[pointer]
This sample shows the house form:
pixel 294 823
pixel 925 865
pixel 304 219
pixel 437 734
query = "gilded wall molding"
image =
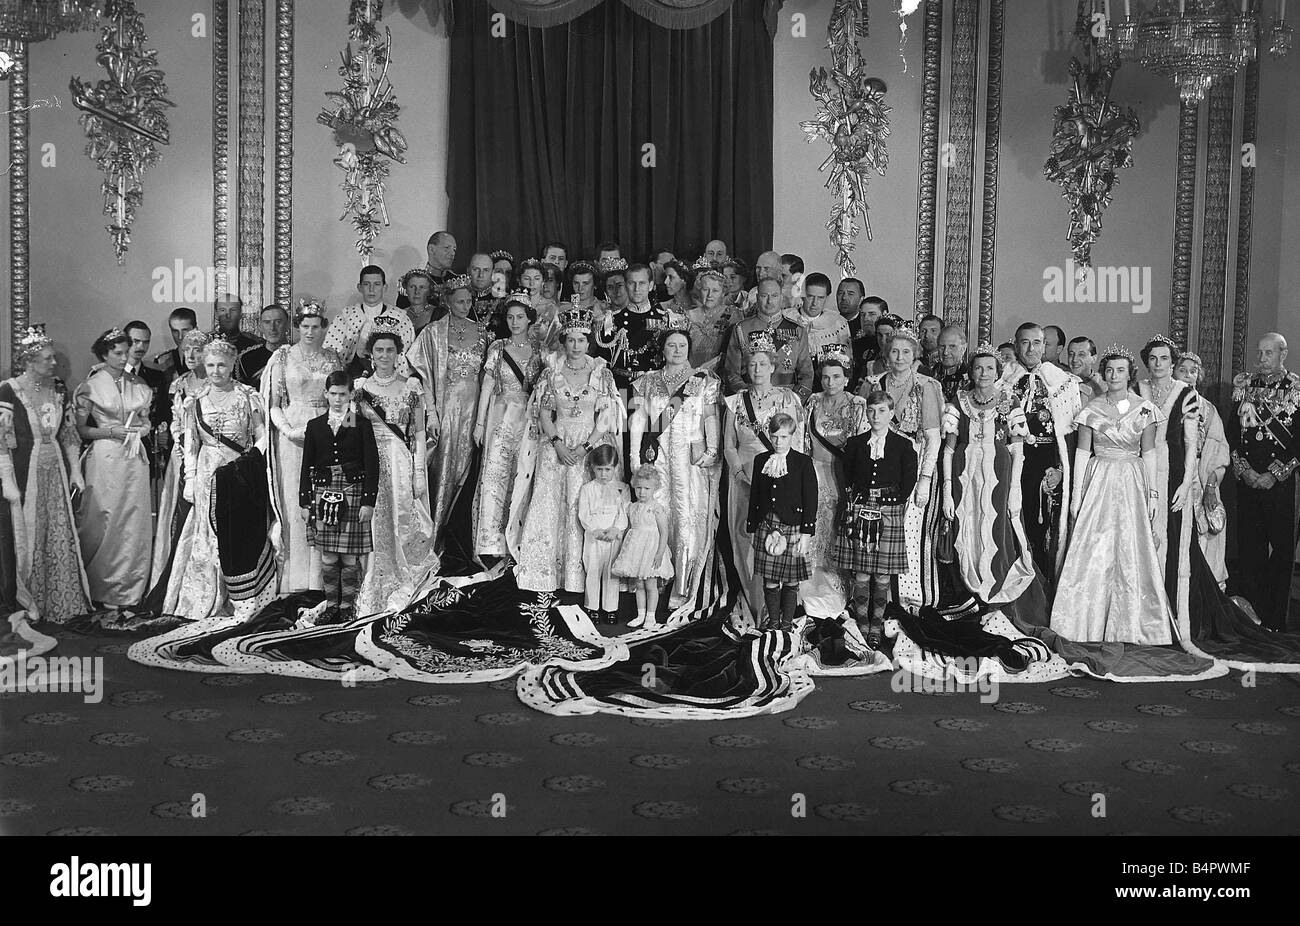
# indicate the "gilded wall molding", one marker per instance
pixel 992 131
pixel 927 184
pixel 252 155
pixel 1245 222
pixel 1180 294
pixel 283 206
pixel 1214 235
pixel 220 134
pixel 19 187
pixel 960 172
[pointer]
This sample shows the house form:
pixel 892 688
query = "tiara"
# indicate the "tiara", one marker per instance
pixel 1167 341
pixel 702 263
pixel 197 337
pixel 612 264
pixel 576 319
pixel 908 327
pixel 735 263
pixel 33 341
pixel 312 307
pixel 1118 350
pixel 220 345
pixel 760 341
pixel 582 266
pixel 531 263
pixel 836 351
pixel 521 296
pixel 711 274
pixel 502 255
pixel 984 348
pixel 459 281
pixel 416 272
pixel 112 334
pixel 892 321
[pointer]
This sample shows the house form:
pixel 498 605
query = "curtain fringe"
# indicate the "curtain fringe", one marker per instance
pixel 670 14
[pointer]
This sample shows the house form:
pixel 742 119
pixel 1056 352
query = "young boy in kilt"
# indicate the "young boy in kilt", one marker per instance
pixel 782 517
pixel 880 468
pixel 336 490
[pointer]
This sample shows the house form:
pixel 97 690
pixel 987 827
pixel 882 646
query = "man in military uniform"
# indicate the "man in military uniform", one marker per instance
pixel 1264 433
pixel 631 339
pixel 950 362
pixel 794 368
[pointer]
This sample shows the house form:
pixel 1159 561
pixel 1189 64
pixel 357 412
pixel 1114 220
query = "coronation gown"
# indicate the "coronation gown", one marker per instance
pixel 39 435
pixel 918 407
pixel 992 551
pixel 173 510
pixel 742 443
pixel 825 593
pixel 197 588
pixel 1206 616
pixel 1214 458
pixel 402 530
pixel 505 423
pixel 115 517
pixel 451 382
pixel 294 382
pixel 545 535
pixel 1110 588
pixel 673 415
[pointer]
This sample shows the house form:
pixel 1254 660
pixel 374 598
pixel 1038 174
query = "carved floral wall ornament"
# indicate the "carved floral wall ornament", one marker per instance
pixel 853 118
pixel 124 116
pixel 1092 139
pixel 363 118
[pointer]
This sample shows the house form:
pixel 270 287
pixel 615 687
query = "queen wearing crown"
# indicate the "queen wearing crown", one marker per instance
pixel 38 460
pixel 448 356
pixel 673 420
pixel 115 517
pixel 744 437
pixel 576 407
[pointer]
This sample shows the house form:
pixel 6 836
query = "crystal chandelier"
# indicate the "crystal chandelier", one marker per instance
pixel 1195 42
pixel 37 20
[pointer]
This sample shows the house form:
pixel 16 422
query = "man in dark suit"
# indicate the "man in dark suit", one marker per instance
pixel 160 409
pixel 273 325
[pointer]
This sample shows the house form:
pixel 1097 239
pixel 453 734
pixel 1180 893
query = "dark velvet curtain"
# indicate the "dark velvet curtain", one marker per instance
pixel 548 127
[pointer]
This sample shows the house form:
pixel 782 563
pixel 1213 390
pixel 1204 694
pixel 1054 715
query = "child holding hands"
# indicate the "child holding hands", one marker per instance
pixel 602 512
pixel 644 556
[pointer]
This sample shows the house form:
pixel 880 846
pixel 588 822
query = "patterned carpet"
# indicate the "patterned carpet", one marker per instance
pixel 280 756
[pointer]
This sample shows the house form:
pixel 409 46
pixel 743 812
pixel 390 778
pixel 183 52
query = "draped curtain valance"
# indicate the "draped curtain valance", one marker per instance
pixel 670 14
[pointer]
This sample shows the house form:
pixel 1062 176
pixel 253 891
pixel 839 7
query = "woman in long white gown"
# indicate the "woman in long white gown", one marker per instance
pixel 401 527
pixel 576 407
pixel 293 390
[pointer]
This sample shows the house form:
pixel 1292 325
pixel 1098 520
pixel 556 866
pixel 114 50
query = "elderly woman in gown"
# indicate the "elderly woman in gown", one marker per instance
pixel 674 424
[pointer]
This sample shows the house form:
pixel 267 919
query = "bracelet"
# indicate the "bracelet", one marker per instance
pixel 586 446
pixel 1153 493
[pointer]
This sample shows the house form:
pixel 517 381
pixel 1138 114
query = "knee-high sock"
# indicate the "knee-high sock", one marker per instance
pixel 789 598
pixel 350 575
pixel 329 573
pixel 772 598
pixel 879 599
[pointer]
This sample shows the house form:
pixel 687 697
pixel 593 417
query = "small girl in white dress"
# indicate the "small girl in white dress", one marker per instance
pixel 644 555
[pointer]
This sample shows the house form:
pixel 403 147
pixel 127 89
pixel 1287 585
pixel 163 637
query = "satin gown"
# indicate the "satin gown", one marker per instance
pixel 451 375
pixel 742 444
pixel 197 589
pixel 402 530
pixel 50 578
pixel 296 383
pixel 1111 587
pixel 687 493
pixel 549 548
pixel 115 517
pixel 505 423
pixel 825 594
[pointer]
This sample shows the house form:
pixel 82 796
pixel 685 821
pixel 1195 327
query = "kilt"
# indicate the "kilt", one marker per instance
pixel 351 535
pixel 789 568
pixel 887 557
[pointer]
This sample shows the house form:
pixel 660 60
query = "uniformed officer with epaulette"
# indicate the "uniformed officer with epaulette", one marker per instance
pixel 1264 432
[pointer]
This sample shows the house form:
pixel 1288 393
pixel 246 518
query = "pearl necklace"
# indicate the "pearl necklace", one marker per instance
pixel 1159 396
pixel 380 380
pixel 982 402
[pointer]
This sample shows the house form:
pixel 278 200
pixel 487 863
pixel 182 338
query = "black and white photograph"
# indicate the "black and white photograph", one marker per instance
pixel 478 418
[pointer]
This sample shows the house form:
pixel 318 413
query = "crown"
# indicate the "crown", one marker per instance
pixel 577 319
pixel 1118 350
pixel 612 265
pixel 311 307
pixel 459 281
pixel 761 341
pixel 502 255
